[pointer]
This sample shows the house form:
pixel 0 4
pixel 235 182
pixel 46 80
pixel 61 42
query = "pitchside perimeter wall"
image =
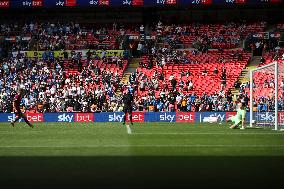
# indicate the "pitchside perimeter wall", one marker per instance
pixel 194 117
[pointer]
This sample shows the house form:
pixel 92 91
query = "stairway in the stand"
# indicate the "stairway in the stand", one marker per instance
pixel 244 77
pixel 132 66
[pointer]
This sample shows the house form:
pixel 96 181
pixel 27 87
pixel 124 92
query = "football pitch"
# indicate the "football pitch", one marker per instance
pixel 143 155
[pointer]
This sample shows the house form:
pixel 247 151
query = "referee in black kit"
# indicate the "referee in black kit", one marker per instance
pixel 127 99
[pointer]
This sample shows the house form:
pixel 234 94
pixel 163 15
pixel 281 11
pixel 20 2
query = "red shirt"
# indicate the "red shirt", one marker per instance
pixel 17 100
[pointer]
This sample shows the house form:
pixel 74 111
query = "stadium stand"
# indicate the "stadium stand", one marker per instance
pixel 198 77
pixel 264 85
pixel 212 36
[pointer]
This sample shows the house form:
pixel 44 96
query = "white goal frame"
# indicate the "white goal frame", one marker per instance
pixel 275 64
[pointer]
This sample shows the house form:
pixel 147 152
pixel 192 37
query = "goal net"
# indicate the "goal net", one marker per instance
pixel 266 96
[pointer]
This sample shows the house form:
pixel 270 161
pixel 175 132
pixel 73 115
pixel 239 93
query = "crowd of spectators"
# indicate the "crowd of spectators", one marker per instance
pixel 207 36
pixel 172 99
pixel 50 88
pixel 61 36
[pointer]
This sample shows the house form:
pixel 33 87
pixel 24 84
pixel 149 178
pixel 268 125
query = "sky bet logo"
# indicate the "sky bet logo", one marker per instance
pixel 118 117
pixel 32 117
pixel 126 2
pixel 13 117
pixel 136 117
pixel 185 117
pixel 37 3
pixel 27 3
pixel 65 118
pixel 161 2
pixel 84 117
pixel 60 3
pixel 167 117
pixel 92 2
pixel 220 117
pixel 196 2
pixel 267 116
pixel 205 116
pixel 4 4
pixel 115 117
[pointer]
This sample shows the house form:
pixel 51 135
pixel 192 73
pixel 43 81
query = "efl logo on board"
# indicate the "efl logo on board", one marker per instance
pixel 185 117
pixel 84 117
pixel 35 117
pixel 136 117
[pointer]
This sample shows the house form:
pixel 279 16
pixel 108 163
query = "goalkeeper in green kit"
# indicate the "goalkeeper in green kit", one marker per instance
pixel 239 118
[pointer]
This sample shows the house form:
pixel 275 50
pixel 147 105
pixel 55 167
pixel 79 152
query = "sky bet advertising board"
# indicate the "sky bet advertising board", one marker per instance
pixel 125 3
pixel 189 117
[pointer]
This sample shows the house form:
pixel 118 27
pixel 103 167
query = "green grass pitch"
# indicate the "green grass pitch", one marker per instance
pixel 147 154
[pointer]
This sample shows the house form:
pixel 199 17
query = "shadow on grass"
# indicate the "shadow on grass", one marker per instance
pixel 141 172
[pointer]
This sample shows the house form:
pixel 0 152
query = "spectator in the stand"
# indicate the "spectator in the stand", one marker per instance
pixel 181 84
pixel 174 83
pixel 265 84
pixel 142 86
pixel 184 104
pixel 189 85
pixel 223 79
pixel 159 31
pixel 215 71
pixel 223 71
pixel 262 60
pixel 141 29
pixel 271 83
pixel 204 72
pixel 139 49
pixel 103 54
pixel 150 64
pixel 171 77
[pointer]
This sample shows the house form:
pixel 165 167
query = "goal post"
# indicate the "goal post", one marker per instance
pixel 266 91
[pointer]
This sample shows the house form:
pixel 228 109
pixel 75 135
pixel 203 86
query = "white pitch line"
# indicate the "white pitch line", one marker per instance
pixel 153 146
pixel 208 133
pixel 128 129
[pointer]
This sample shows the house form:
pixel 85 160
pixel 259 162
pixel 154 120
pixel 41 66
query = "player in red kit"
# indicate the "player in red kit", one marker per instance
pixel 17 110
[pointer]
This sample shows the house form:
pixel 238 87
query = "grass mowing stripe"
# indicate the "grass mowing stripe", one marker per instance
pixel 152 145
